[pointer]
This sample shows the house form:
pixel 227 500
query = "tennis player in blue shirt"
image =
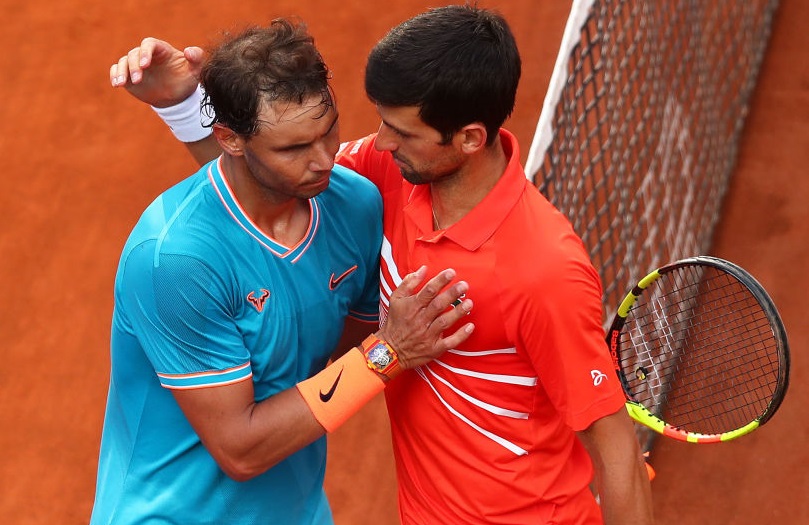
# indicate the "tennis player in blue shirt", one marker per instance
pixel 236 288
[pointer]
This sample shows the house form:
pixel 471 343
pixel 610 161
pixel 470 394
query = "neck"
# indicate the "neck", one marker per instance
pixel 280 217
pixel 455 196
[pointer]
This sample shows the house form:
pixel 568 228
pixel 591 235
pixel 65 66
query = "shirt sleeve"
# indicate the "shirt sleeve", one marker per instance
pixel 178 310
pixel 562 327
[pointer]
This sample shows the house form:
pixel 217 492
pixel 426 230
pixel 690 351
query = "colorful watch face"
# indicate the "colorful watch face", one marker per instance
pixel 380 356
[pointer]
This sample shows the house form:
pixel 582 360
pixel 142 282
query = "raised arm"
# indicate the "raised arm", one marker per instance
pixel 157 73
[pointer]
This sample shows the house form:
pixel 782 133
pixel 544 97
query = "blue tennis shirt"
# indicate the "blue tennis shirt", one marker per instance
pixel 204 298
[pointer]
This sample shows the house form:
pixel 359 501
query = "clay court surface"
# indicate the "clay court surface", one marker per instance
pixel 83 160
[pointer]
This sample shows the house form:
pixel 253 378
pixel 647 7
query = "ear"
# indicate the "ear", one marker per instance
pixel 473 137
pixel 230 142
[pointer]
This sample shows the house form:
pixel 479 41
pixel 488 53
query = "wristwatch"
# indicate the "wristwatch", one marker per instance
pixel 380 357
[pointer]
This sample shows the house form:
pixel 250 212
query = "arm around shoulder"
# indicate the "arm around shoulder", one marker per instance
pixel 185 120
pixel 166 78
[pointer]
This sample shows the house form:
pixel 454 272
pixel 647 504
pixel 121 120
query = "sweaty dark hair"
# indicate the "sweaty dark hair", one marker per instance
pixel 458 64
pixel 259 65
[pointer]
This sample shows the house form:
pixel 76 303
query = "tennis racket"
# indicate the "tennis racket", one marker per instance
pixel 701 351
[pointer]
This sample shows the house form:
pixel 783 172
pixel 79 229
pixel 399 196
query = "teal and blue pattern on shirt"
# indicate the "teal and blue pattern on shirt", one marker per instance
pixel 204 298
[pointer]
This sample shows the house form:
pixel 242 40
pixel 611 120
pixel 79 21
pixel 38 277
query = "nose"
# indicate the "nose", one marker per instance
pixel 385 139
pixel 323 159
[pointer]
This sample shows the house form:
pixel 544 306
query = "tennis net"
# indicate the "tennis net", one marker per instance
pixel 640 127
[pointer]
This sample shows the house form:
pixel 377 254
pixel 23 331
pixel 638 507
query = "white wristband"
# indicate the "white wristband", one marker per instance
pixel 185 119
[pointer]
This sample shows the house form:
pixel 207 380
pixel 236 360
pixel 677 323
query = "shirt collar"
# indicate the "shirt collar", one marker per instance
pixel 477 226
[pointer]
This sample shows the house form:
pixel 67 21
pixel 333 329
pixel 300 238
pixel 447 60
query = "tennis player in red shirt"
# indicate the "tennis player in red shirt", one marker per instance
pixel 514 425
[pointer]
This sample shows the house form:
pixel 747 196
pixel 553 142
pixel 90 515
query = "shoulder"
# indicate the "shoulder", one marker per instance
pixel 180 221
pixel 378 166
pixel 355 152
pixel 550 233
pixel 352 189
pixel 553 257
pixel 166 208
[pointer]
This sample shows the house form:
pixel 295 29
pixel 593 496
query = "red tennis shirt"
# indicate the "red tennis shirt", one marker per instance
pixel 486 433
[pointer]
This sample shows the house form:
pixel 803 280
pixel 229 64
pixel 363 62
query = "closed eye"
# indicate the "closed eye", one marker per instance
pixel 396 131
pixel 305 145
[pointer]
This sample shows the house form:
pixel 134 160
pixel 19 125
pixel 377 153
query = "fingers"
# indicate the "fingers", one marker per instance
pixel 454 298
pixel 442 310
pixel 435 296
pixel 126 69
pixel 420 315
pixel 458 337
pixel 432 290
pixel 453 312
pixel 458 309
pixel 129 67
pixel 195 56
pixel 114 80
pixel 119 72
pixel 429 291
pixel 410 282
pixel 134 59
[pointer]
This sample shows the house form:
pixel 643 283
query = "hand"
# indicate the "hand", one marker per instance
pixel 416 320
pixel 157 73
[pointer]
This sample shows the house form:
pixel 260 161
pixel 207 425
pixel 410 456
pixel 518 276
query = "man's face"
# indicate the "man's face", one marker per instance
pixel 293 153
pixel 416 147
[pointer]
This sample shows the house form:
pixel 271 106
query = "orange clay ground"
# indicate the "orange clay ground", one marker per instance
pixel 82 161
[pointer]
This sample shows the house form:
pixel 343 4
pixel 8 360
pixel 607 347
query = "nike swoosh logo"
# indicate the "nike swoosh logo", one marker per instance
pixel 334 281
pixel 327 396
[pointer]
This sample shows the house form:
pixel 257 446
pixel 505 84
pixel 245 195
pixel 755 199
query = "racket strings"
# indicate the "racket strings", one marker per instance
pixel 703 359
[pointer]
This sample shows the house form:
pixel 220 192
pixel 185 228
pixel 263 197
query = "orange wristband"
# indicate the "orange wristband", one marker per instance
pixel 341 389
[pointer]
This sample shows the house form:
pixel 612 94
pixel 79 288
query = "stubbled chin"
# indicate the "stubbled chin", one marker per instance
pixel 412 178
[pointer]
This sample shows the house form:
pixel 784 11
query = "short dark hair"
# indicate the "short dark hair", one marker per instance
pixel 459 64
pixel 262 64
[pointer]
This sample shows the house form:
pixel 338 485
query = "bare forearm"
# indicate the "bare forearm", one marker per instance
pixel 626 496
pixel 269 432
pixel 622 481
pixel 244 437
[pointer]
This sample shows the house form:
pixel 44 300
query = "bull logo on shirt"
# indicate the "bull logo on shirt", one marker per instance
pixel 258 302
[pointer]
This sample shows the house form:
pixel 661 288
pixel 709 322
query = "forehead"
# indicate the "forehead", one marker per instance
pixel 285 122
pixel 401 116
pixel 407 120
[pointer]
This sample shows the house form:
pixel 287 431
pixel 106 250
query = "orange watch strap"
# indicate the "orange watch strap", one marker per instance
pixel 377 351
